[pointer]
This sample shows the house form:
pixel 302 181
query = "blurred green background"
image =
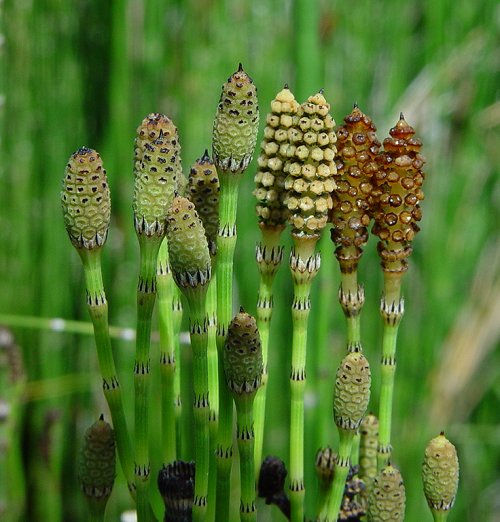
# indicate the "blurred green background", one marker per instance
pixel 85 72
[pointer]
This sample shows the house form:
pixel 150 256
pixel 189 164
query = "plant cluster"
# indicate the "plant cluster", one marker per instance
pixel 311 175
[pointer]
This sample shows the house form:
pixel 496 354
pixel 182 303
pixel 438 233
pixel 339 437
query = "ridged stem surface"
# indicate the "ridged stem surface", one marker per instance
pixel 342 465
pixel 226 242
pixel 269 257
pixel 146 296
pixel 246 440
pixel 165 285
pixel 304 266
pixel 177 313
pixel 98 310
pixel 199 336
pixel 392 310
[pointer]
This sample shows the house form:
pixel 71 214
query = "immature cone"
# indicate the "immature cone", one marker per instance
pixel 203 190
pixel 236 123
pixel 176 486
pixel 157 168
pixel 97 462
pixel 440 473
pixel 325 465
pixel 388 497
pixel 85 200
pixel 187 245
pixel 368 449
pixel 352 391
pixel 356 162
pixel 275 149
pixel 243 355
pixel 397 196
pixel 309 182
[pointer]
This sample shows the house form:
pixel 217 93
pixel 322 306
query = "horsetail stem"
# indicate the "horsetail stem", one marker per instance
pixel 96 467
pixel 203 189
pixel 190 264
pixel 396 210
pixel 356 165
pixel 440 472
pixel 234 138
pixel 352 394
pixel 243 372
pixel 309 183
pixel 388 497
pixel 272 214
pixel 86 209
pixel 176 486
pixel 168 361
pixel 156 169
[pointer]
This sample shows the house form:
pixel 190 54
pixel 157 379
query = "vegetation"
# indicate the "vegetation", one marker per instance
pixel 83 72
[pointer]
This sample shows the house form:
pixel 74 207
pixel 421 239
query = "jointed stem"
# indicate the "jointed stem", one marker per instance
pixel 146 295
pixel 98 310
pixel 304 265
pixel 246 439
pixel 269 257
pixel 165 284
pixel 391 309
pixel 199 336
pixel 226 243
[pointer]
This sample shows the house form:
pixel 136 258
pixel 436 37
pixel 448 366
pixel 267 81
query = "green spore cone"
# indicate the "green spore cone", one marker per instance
pixel 157 169
pixel 86 200
pixel 203 190
pixel 388 497
pixel 236 124
pixel 97 466
pixel 440 471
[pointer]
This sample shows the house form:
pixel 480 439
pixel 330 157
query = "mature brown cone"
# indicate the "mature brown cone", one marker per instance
pixel 357 150
pixel 310 171
pixel 275 148
pixel 397 196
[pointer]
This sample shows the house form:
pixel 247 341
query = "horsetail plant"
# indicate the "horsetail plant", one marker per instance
pixel 86 205
pixel 358 147
pixel 243 371
pixel 156 169
pixel 203 189
pixel 308 184
pixel 272 216
pixel 190 263
pixel 351 397
pixel 440 472
pixel 396 208
pixel 233 142
pixel 387 498
pixel 96 467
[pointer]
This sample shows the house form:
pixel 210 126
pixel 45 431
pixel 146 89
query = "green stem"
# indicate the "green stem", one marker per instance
pixel 439 516
pixel 391 309
pixel 146 295
pixel 98 310
pixel 165 284
pixel 342 465
pixel 269 256
pixel 246 439
pixel 304 265
pixel 97 509
pixel 177 313
pixel 226 242
pixel 213 391
pixel 198 329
